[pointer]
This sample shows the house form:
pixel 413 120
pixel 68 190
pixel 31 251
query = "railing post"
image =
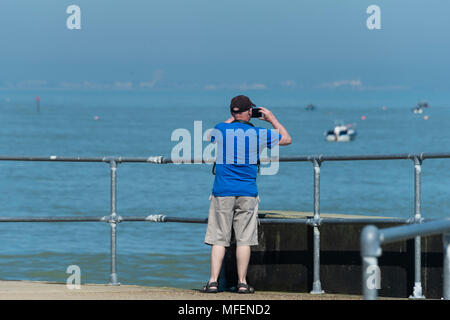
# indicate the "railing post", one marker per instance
pixel 113 222
pixel 317 287
pixel 417 291
pixel 370 251
pixel 446 266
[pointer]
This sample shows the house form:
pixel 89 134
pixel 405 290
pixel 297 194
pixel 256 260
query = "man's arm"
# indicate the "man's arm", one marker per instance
pixel 270 117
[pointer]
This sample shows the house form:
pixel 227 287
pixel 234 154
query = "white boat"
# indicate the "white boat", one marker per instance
pixel 417 110
pixel 341 133
pixel 420 106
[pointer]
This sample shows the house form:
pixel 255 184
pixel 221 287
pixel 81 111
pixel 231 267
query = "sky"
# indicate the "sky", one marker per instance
pixel 254 44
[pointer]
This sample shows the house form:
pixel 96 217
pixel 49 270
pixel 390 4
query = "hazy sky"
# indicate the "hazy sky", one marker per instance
pixel 258 42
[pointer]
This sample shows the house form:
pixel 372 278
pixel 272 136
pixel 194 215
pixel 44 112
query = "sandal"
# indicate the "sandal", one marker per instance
pixel 244 288
pixel 210 287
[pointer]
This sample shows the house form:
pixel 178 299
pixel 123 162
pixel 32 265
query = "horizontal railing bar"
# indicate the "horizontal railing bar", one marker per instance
pixel 164 218
pixel 365 220
pixel 163 160
pixel 343 158
pixel 400 233
pixel 435 155
pixel 54 158
pixel 54 219
pixel 157 159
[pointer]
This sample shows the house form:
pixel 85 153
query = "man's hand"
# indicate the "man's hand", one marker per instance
pixel 268 115
pixel 230 120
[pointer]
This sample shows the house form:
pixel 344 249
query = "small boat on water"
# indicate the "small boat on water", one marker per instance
pixel 310 107
pixel 341 133
pixel 420 107
pixel 417 110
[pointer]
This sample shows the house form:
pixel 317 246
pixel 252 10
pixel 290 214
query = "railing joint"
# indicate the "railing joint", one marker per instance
pixel 112 219
pixel 317 160
pixel 314 222
pixel 418 159
pixel 113 161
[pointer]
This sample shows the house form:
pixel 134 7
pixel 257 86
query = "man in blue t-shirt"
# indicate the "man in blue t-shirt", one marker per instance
pixel 234 199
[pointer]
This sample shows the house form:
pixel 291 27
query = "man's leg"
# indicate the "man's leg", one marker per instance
pixel 242 260
pixel 246 231
pixel 218 232
pixel 217 255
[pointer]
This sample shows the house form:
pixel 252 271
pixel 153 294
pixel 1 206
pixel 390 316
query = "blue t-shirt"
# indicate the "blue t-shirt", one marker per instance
pixel 238 148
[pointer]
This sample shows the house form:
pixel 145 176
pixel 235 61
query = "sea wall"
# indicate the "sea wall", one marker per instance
pixel 283 261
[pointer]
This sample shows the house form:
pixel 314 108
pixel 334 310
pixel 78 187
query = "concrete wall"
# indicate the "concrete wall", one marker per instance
pixel 283 261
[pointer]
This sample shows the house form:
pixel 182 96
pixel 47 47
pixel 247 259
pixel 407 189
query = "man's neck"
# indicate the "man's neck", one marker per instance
pixel 246 119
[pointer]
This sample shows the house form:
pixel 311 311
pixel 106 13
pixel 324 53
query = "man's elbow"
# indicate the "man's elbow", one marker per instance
pixel 285 141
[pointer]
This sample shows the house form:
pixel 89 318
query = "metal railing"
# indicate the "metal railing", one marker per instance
pixel 372 238
pixel 315 222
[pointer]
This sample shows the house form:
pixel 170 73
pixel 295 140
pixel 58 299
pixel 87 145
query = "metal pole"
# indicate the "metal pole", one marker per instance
pixel 317 287
pixel 370 251
pixel 417 291
pixel 113 223
pixel 446 266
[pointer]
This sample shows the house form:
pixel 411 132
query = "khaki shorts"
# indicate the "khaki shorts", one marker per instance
pixel 227 213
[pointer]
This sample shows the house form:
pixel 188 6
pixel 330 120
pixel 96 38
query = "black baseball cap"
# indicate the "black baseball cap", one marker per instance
pixel 240 104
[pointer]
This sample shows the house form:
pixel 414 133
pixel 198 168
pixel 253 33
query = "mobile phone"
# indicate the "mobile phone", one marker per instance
pixel 256 113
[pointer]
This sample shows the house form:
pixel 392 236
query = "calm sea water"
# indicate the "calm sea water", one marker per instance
pixel 132 123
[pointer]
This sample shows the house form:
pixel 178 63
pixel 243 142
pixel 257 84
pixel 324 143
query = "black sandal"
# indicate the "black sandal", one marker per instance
pixel 207 287
pixel 246 287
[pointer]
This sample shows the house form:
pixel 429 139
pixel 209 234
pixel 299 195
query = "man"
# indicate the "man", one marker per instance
pixel 234 199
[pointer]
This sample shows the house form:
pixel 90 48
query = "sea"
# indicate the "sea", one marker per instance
pixel 134 123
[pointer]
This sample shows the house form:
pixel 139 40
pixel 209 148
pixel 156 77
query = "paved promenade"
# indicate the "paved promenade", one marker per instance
pixel 31 290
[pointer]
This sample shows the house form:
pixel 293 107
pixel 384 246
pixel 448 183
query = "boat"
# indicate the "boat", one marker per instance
pixel 341 132
pixel 420 107
pixel 417 110
pixel 310 107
